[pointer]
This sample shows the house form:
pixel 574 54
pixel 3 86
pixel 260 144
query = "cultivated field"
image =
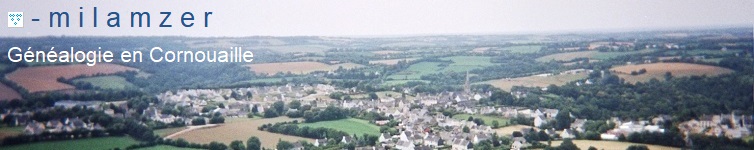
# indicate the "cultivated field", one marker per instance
pixel 616 145
pixel 108 82
pixel 415 71
pixel 588 54
pixel 466 63
pixel 7 93
pixel 298 67
pixel 385 52
pixel 536 81
pixel 44 78
pixel 296 48
pixel 391 61
pixel 523 49
pixel 240 129
pixel 487 119
pixel 508 130
pixel 658 70
pixel 350 126
pixel 91 143
pixel 481 49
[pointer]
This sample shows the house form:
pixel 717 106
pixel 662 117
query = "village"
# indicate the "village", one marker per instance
pixel 418 127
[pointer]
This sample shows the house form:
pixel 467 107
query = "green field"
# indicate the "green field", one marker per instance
pixel 466 63
pixel 399 82
pixel 487 119
pixel 350 126
pixel 92 143
pixel 526 49
pixel 167 131
pixel 415 71
pixel 589 54
pixel 701 52
pixel 108 82
pixel 165 147
pixel 297 48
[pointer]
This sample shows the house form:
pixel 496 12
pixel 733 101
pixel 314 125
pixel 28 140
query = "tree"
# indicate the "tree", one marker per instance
pixel 217 120
pixel 563 120
pixel 271 114
pixel 637 147
pixel 279 106
pixel 568 145
pixel 253 143
pixel 466 129
pixel 237 145
pixel 592 148
pixel 495 124
pixel 294 104
pixel 373 96
pixel 198 121
pixel 217 146
pixel 284 145
pixel 254 109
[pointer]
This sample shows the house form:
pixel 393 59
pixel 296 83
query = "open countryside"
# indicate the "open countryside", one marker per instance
pixel 585 144
pixel 351 126
pixel 298 67
pixel 240 129
pixel 44 78
pixel 658 71
pixel 543 80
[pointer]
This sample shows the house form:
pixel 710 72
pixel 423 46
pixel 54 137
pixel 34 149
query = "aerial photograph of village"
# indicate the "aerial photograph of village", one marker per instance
pixel 664 87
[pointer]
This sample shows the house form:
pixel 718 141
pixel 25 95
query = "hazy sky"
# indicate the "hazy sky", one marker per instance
pixel 382 17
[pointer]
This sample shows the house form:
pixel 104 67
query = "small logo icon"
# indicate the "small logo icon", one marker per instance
pixel 15 19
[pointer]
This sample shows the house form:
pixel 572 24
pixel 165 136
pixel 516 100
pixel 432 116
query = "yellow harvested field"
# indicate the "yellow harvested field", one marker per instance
pixel 658 70
pixel 302 67
pixel 611 145
pixel 385 52
pixel 536 81
pixel 44 78
pixel 391 61
pixel 508 130
pixel 240 129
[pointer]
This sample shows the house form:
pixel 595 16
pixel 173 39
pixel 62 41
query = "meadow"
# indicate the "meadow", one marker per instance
pixel 524 49
pixel 110 82
pixel 508 130
pixel 658 70
pixel 535 81
pixel 301 67
pixel 487 119
pixel 391 61
pixel 350 126
pixel 166 147
pixel 90 143
pixel 415 71
pixel 589 54
pixel 466 63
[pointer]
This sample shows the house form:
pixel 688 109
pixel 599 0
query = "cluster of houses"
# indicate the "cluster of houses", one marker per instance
pixel 60 125
pixel 728 125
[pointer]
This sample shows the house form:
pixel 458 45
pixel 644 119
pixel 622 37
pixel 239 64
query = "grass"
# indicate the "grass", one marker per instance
pixel 526 49
pixel 350 126
pixel 487 119
pixel 166 147
pixel 584 144
pixel 320 49
pixel 91 143
pixel 300 67
pixel 415 71
pixel 589 54
pixel 658 70
pixel 400 82
pixel 535 81
pixel 10 131
pixel 466 63
pixel 167 131
pixel 111 82
pixel 702 52
pixel 240 129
